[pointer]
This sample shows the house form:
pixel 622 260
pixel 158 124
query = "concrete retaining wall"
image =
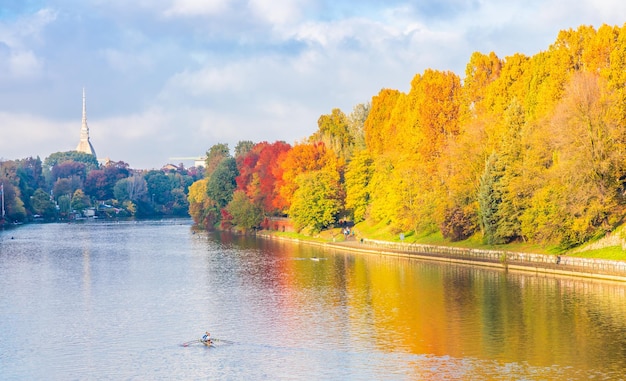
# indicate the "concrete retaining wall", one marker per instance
pixel 583 265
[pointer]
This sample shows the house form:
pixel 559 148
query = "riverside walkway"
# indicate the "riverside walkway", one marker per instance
pixel 507 260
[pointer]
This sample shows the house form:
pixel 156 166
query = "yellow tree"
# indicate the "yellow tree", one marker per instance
pixel 436 103
pixel 579 200
pixel 200 205
pixel 616 73
pixel 333 131
pixel 405 186
pixel 480 72
pixel 357 178
pixel 596 54
pixel 376 128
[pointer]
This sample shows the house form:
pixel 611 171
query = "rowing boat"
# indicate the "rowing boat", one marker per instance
pixel 208 343
pixel 211 343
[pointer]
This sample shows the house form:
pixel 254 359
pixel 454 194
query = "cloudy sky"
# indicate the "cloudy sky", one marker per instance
pixel 170 78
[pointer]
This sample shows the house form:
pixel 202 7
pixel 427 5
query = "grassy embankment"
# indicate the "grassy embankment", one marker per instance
pixel 611 247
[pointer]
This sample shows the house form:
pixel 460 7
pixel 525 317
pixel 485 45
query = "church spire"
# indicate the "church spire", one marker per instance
pixel 85 112
pixel 85 145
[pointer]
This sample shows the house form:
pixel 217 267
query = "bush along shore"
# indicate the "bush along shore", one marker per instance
pixel 507 260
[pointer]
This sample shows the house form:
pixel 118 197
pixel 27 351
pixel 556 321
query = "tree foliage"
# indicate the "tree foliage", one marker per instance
pixel 89 160
pixel 222 184
pixel 522 148
pixel 316 203
pixel 245 213
pixel 214 157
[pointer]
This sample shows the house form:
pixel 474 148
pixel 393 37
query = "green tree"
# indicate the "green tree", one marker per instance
pixel 159 187
pixel 316 203
pixel 222 184
pixel 42 205
pixel 80 201
pixel 489 199
pixel 180 204
pixel 132 188
pixel 31 178
pixel 243 147
pixel 511 185
pixel 214 157
pixel 90 161
pixel 65 205
pixel 245 214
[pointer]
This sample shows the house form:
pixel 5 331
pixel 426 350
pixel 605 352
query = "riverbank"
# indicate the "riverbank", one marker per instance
pixel 508 261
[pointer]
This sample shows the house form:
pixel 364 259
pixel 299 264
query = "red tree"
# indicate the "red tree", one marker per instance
pixel 258 175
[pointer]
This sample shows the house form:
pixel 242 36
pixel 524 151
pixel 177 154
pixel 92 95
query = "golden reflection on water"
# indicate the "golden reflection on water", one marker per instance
pixel 484 314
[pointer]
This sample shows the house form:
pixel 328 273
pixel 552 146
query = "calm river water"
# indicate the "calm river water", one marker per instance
pixel 114 301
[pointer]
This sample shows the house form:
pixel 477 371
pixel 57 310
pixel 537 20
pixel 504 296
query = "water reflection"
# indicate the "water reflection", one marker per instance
pixel 559 325
pixel 113 301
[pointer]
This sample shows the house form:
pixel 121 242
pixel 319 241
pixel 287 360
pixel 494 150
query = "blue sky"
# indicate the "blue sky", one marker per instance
pixel 170 78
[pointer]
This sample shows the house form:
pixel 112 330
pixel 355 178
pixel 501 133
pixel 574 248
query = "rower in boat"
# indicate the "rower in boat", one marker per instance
pixel 206 339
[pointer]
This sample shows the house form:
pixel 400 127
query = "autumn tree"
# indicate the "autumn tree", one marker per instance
pixel 356 125
pixel 357 178
pixel 577 201
pixel 69 169
pixel 304 158
pixel 376 128
pixel 202 209
pixel 96 185
pixel 333 131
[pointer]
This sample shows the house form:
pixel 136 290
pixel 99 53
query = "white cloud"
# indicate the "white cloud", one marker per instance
pixel 277 12
pixel 183 74
pixel 209 80
pixel 24 65
pixel 126 61
pixel 26 29
pixel 42 136
pixel 19 60
pixel 197 7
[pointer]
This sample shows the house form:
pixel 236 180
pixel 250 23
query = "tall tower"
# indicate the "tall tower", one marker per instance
pixel 85 145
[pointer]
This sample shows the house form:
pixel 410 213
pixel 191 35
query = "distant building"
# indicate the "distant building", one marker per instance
pixel 199 162
pixel 172 167
pixel 85 145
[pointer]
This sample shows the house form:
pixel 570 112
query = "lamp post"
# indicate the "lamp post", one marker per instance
pixel 2 192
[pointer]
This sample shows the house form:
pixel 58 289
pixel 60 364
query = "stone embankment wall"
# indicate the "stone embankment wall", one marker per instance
pixel 564 265
pixel 539 263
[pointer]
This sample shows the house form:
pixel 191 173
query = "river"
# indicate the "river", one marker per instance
pixel 112 301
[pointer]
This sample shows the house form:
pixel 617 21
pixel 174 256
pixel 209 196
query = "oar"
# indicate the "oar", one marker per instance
pixel 186 344
pixel 223 341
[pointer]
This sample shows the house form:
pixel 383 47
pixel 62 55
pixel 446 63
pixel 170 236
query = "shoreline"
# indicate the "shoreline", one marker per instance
pixel 606 270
